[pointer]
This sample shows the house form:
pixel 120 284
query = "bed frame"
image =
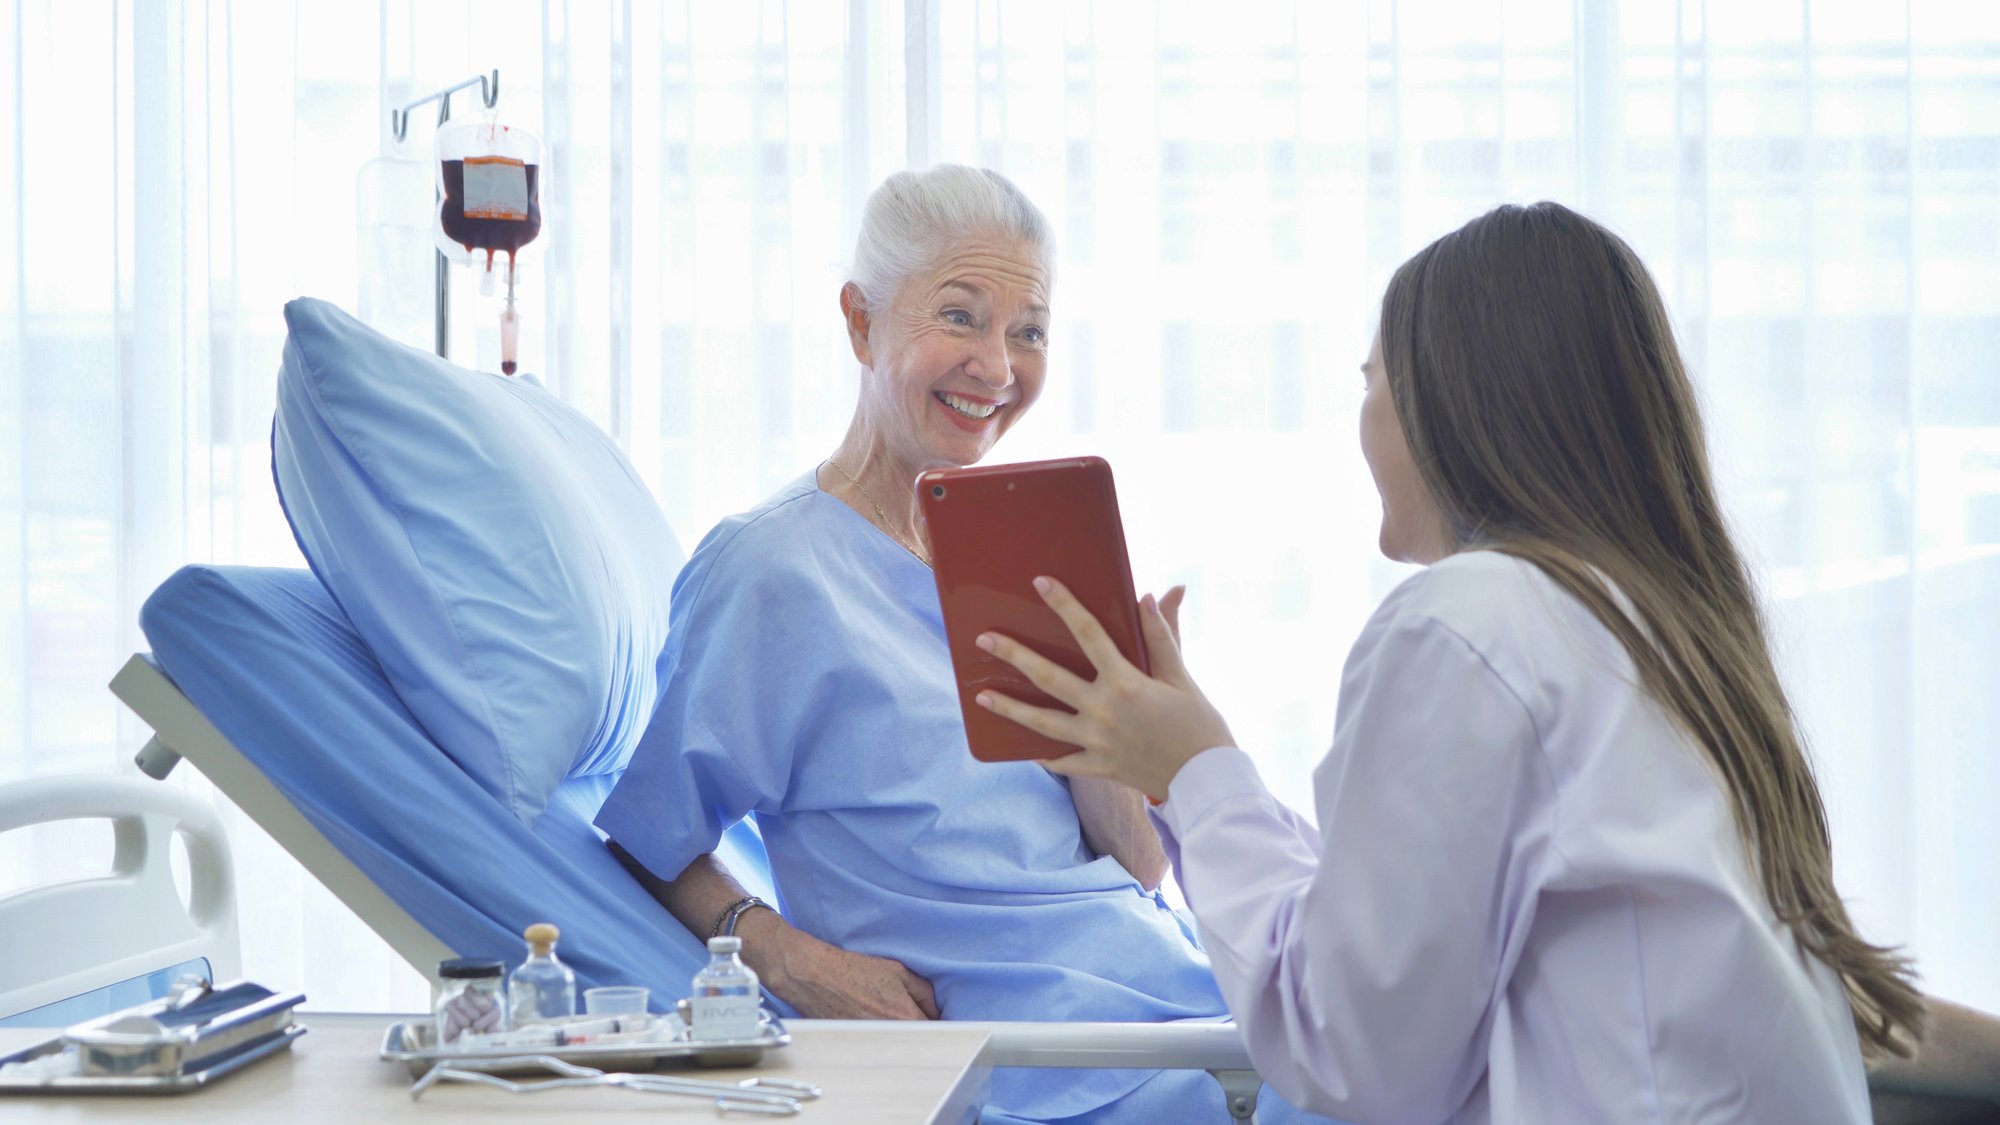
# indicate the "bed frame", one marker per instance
pixel 181 731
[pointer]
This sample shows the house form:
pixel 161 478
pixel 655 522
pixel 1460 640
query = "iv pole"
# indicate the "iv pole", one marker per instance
pixel 399 122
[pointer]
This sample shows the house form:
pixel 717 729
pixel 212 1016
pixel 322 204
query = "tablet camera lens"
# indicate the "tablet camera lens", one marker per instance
pixel 937 491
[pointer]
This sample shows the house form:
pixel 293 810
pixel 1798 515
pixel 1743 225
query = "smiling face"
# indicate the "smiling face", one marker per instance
pixel 957 356
pixel 1413 528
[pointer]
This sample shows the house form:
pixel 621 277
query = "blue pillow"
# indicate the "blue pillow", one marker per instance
pixel 491 545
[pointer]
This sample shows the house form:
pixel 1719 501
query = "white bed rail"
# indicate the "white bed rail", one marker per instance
pixel 1146 1046
pixel 66 939
pixel 1217 1048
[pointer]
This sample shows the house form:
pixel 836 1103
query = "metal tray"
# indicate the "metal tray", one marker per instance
pixel 179 1082
pixel 180 1033
pixel 415 1045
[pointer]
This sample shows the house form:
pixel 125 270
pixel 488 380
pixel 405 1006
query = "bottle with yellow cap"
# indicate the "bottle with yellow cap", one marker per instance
pixel 543 988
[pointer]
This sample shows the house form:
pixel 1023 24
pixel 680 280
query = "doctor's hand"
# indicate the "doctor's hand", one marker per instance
pixel 1134 728
pixel 827 982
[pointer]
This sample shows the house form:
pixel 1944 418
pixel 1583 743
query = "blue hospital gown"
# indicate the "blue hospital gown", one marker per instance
pixel 808 685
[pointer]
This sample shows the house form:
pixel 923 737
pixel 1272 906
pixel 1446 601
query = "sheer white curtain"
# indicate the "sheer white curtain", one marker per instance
pixel 1817 186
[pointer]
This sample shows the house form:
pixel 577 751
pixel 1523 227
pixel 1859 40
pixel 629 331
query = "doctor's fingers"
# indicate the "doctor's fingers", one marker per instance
pixel 1163 648
pixel 1084 763
pixel 1040 670
pixel 1088 631
pixel 1059 725
pixel 1170 608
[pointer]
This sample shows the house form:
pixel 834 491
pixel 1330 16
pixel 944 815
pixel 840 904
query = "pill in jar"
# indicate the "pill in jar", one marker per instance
pixel 469 996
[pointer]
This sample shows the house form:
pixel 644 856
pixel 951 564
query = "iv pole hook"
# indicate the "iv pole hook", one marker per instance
pixel 489 93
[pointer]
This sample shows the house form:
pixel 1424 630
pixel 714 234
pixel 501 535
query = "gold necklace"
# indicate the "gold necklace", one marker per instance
pixel 879 513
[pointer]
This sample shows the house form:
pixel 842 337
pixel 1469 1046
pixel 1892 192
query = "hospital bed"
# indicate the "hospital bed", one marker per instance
pixel 259 681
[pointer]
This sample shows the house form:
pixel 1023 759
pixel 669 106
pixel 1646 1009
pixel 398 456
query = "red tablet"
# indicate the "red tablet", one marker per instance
pixel 992 530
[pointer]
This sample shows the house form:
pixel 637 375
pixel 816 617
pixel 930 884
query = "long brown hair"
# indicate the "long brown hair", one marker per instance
pixel 1546 406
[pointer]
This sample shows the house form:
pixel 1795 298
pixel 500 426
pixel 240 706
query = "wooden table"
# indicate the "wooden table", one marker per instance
pixel 927 1073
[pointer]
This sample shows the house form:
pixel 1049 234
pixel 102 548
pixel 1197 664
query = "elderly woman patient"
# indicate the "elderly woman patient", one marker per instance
pixel 809 684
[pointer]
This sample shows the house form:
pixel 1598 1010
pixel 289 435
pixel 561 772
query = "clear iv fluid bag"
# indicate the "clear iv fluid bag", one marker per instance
pixel 489 194
pixel 397 267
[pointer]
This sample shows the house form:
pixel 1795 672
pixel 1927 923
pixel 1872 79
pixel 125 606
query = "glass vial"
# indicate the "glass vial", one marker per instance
pixel 469 997
pixel 726 1000
pixel 543 988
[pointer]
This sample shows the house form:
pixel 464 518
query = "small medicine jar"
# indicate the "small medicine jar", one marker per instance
pixel 469 996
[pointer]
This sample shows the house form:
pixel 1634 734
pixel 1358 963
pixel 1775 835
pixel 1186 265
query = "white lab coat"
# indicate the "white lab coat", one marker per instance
pixel 1527 901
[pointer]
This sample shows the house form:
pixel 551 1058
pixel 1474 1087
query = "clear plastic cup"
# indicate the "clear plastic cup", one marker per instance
pixel 615 1000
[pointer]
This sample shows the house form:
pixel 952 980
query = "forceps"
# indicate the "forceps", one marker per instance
pixel 772 1097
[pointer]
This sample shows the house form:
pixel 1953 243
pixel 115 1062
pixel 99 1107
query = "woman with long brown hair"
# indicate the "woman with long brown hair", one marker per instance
pixel 1571 862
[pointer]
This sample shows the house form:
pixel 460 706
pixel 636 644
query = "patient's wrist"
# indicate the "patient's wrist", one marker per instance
pixel 767 938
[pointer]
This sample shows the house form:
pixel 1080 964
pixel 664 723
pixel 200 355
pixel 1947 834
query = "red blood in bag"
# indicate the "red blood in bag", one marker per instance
pixel 476 232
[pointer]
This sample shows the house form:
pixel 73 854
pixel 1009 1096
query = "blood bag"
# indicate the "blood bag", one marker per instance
pixel 489 203
pixel 489 199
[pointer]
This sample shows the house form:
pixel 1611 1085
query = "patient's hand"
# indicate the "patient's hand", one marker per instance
pixel 820 980
pixel 826 982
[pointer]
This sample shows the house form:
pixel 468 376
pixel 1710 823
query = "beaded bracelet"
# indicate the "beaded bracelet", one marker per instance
pixel 725 925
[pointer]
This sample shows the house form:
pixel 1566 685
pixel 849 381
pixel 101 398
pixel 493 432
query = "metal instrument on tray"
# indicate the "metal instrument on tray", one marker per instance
pixel 774 1097
pixel 186 1039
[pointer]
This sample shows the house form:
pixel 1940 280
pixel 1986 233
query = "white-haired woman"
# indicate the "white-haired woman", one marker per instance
pixel 808 685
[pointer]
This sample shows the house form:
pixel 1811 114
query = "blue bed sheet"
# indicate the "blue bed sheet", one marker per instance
pixel 271 660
